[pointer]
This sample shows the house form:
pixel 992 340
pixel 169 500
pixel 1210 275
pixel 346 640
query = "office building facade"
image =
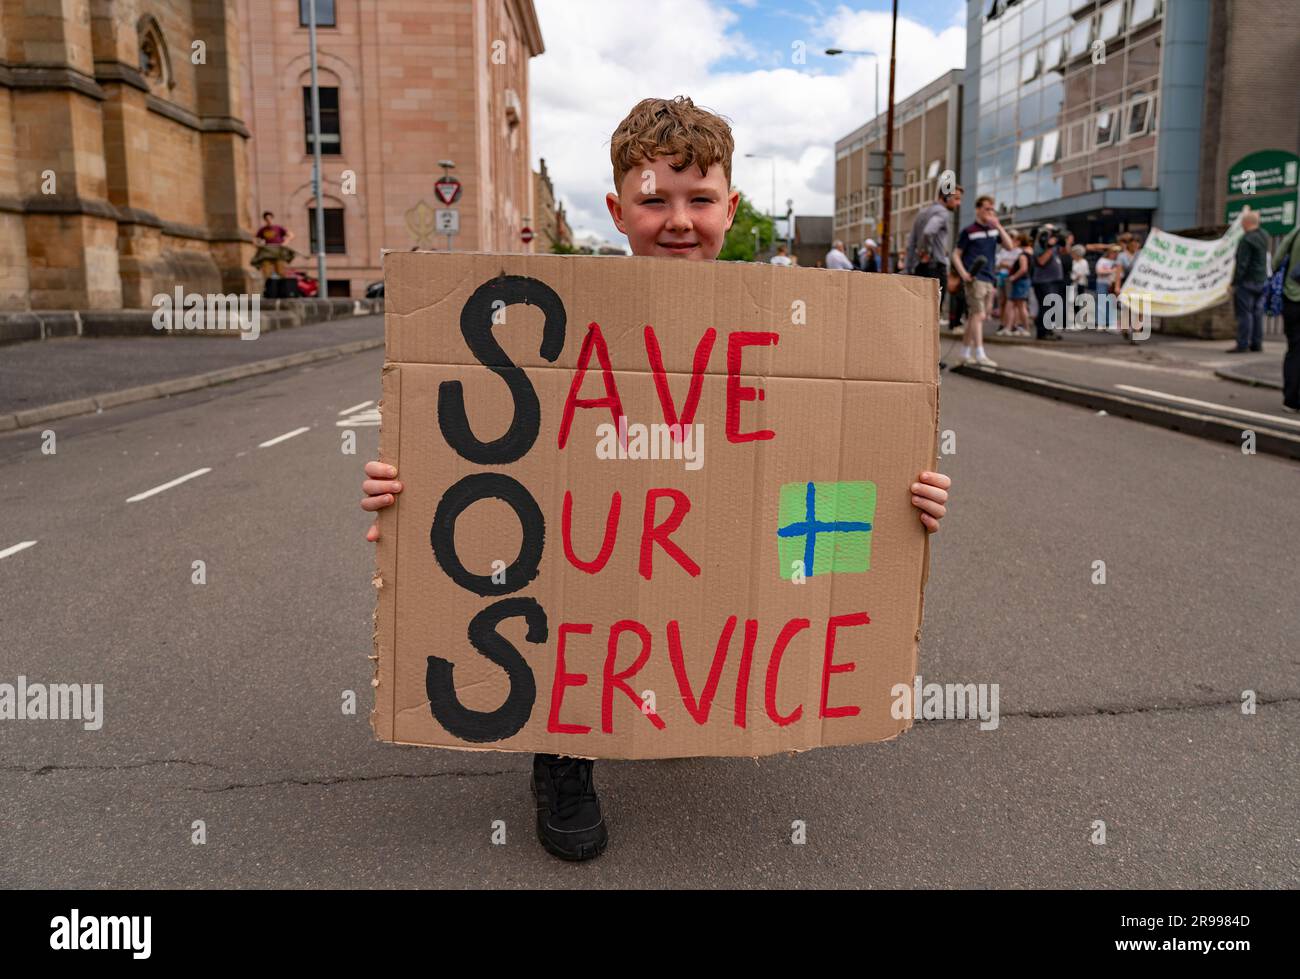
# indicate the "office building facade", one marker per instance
pixel 927 131
pixel 1111 115
pixel 403 85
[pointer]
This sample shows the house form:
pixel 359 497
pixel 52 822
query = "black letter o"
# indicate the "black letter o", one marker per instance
pixel 469 490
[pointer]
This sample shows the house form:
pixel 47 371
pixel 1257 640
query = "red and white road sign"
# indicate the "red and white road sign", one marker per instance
pixel 448 189
pixel 526 234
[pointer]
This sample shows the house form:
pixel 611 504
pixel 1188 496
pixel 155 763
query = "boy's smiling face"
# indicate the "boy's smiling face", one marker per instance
pixel 679 214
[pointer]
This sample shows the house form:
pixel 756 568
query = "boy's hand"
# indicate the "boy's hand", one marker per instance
pixel 381 488
pixel 929 494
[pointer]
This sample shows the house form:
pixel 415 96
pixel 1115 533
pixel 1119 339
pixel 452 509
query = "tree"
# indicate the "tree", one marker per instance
pixel 739 243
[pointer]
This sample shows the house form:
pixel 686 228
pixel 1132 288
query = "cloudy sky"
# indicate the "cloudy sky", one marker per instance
pixel 736 58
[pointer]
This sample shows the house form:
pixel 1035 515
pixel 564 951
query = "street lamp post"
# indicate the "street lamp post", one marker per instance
pixel 763 156
pixel 887 190
pixel 315 140
pixel 863 54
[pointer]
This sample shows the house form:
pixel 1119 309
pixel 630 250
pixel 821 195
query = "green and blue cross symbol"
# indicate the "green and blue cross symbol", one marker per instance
pixel 826 526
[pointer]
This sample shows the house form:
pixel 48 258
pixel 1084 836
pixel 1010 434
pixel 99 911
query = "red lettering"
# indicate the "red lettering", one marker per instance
pixel 613 679
pixel 606 545
pixel 788 632
pixel 702 351
pixel 737 392
pixel 594 341
pixel 835 622
pixel 661 535
pixel 699 709
pixel 564 679
pixel 742 678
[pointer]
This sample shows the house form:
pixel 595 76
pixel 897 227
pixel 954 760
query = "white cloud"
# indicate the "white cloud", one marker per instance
pixel 598 64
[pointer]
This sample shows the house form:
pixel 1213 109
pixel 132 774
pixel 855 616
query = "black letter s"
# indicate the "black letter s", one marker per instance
pixel 476 326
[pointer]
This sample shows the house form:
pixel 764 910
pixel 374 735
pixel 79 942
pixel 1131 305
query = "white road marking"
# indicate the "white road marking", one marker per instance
pixel 368 417
pixel 281 438
pixel 166 486
pixel 16 548
pixel 364 404
pixel 1277 419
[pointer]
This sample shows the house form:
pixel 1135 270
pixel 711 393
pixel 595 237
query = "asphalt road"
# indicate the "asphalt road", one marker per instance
pixel 1120 702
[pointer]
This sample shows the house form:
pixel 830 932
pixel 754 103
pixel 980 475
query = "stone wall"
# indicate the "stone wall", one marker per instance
pixel 121 176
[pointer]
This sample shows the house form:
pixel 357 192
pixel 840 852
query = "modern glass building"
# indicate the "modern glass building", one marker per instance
pixel 1087 113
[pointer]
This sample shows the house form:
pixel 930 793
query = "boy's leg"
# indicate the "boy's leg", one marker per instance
pixel 570 824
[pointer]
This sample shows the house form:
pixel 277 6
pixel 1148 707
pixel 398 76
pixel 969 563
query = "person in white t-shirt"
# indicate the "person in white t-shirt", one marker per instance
pixel 836 259
pixel 1106 268
pixel 1079 269
pixel 780 258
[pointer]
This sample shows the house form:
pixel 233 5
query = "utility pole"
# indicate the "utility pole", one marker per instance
pixel 888 192
pixel 321 291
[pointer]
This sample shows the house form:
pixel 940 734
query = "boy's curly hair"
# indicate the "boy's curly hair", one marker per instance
pixel 674 128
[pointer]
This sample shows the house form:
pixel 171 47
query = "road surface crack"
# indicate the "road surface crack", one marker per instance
pixel 1123 709
pixel 48 769
pixel 350 779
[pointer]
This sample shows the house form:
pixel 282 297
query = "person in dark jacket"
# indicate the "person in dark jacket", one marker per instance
pixel 1288 253
pixel 1248 281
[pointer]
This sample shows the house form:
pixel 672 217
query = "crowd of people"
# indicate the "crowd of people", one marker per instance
pixel 990 273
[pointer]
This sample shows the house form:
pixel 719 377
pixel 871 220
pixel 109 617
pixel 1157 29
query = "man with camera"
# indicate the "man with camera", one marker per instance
pixel 1048 277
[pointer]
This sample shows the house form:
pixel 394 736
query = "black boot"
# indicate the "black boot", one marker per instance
pixel 569 823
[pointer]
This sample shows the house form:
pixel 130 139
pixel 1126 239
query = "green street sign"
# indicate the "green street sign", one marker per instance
pixel 1264 172
pixel 1277 212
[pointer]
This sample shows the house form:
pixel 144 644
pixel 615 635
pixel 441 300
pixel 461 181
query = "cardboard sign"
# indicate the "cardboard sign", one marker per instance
pixel 650 507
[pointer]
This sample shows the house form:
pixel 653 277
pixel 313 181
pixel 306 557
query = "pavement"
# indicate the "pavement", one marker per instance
pixel 1177 382
pixel 1120 702
pixel 41 373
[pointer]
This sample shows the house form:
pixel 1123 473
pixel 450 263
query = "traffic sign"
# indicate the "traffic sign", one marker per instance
pixel 1268 171
pixel 876 168
pixel 447 221
pixel 1277 212
pixel 526 234
pixel 448 189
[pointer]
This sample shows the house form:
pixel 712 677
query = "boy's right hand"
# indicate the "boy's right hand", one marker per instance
pixel 381 489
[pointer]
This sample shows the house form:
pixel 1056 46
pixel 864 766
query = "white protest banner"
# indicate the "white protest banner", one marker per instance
pixel 1178 275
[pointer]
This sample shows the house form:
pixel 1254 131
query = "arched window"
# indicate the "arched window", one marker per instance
pixel 155 63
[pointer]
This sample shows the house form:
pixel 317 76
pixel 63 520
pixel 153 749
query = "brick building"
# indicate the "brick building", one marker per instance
pixel 403 85
pixel 1113 115
pixel 122 153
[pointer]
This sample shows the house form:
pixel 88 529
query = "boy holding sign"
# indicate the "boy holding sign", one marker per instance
pixel 672 171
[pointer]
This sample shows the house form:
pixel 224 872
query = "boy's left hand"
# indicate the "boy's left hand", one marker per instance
pixel 929 494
